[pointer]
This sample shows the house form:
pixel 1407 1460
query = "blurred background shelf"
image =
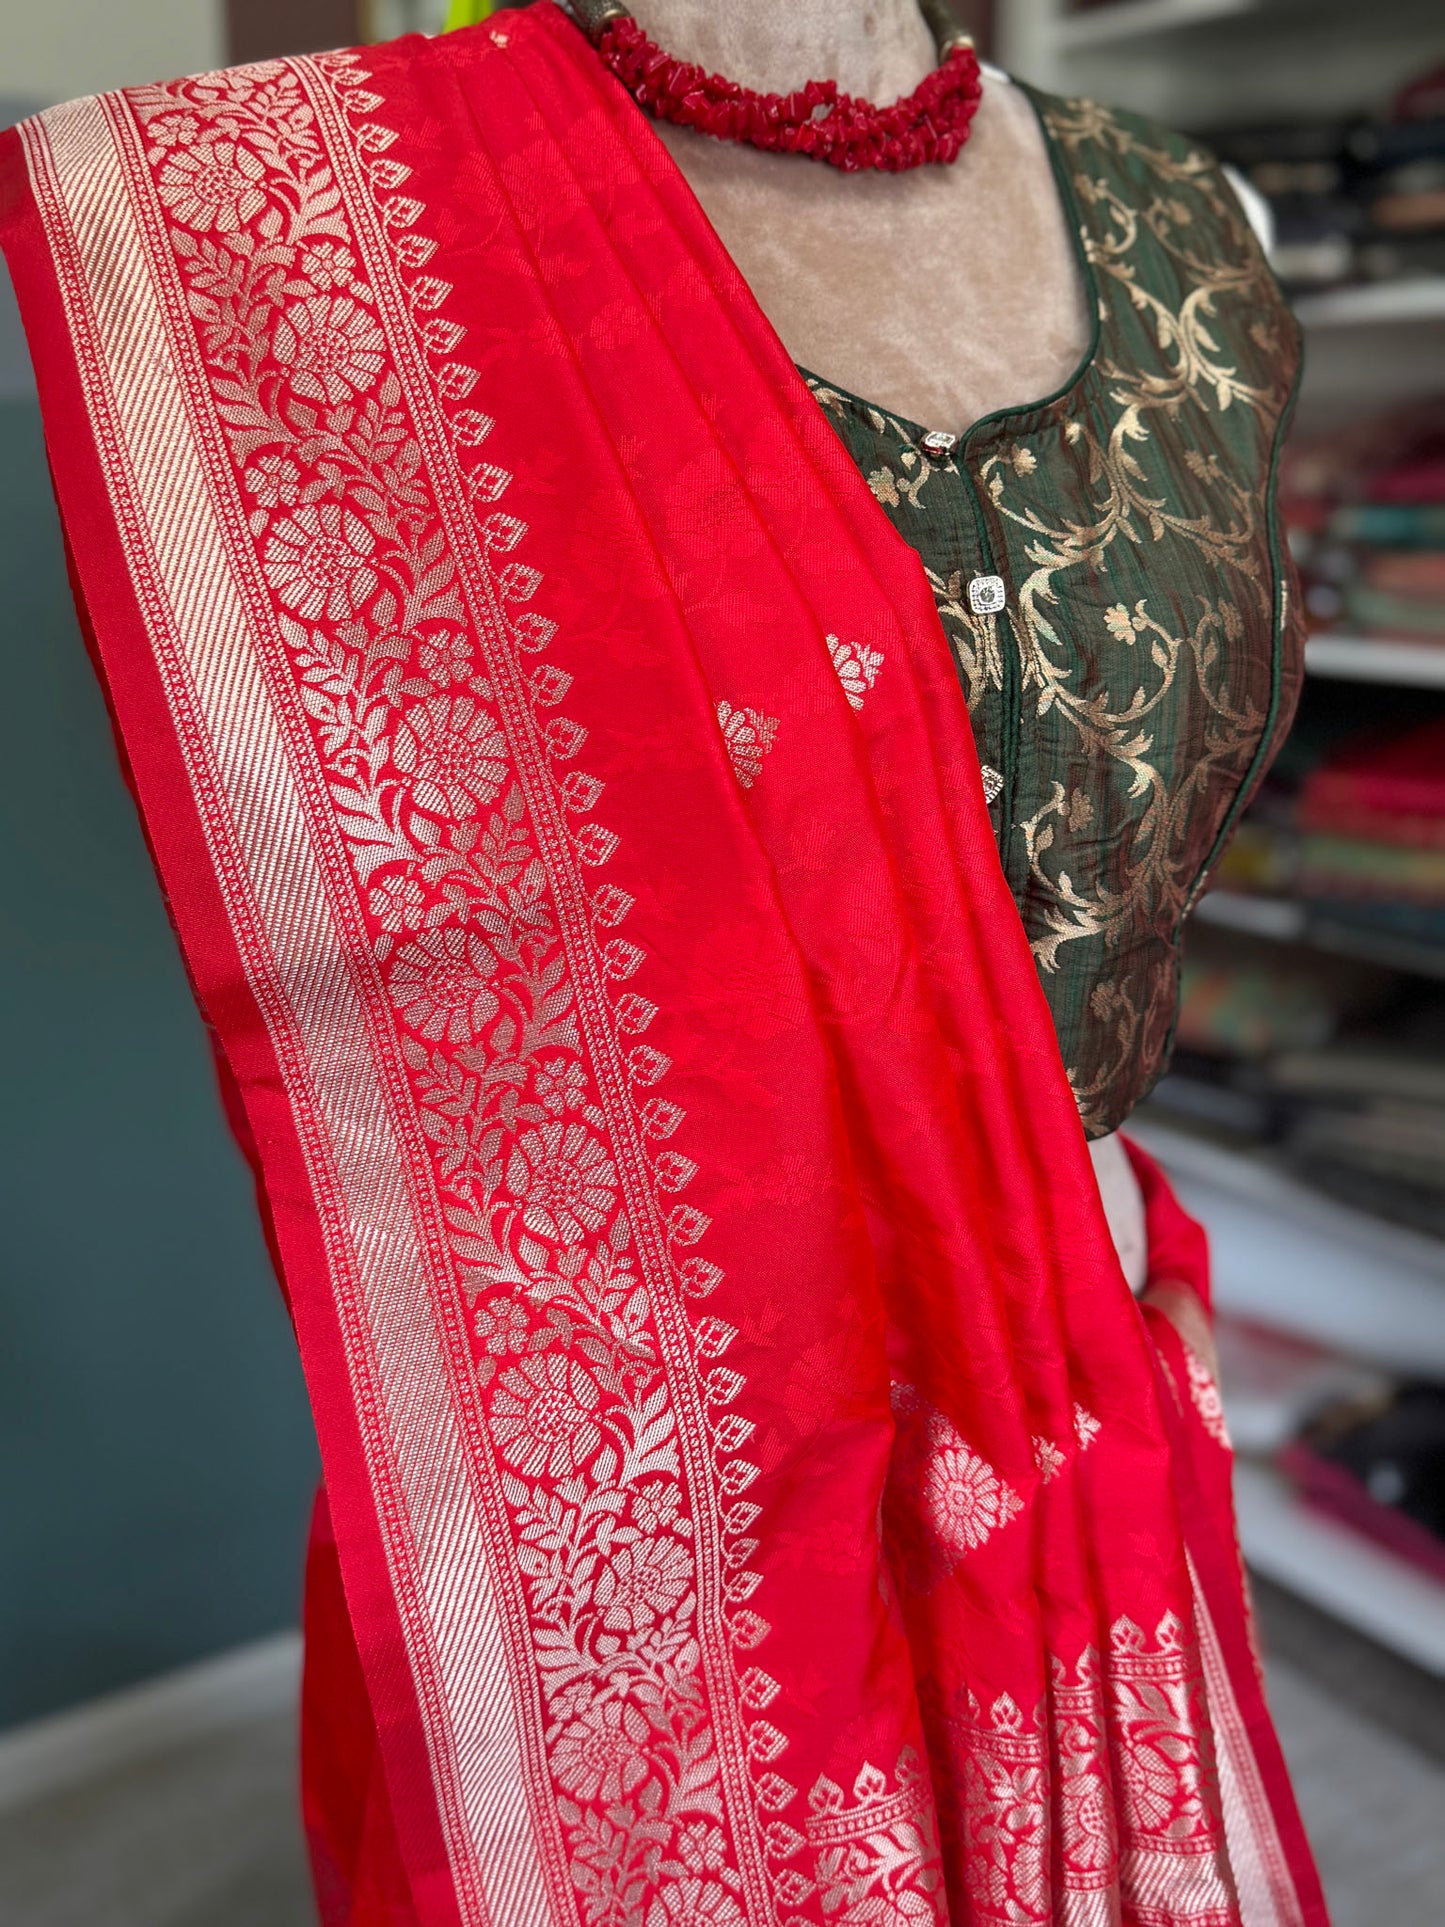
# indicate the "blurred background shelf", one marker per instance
pixel 1132 20
pixel 1369 345
pixel 1280 919
pixel 1286 920
pixel 1340 1279
pixel 1285 1254
pixel 1123 25
pixel 1204 63
pixel 1399 302
pixel 1334 1569
pixel 1409 665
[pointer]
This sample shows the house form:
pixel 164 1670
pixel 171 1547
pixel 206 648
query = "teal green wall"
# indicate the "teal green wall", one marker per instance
pixel 155 1449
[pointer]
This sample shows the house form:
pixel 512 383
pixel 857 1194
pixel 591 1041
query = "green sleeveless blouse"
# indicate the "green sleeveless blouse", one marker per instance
pixel 1144 666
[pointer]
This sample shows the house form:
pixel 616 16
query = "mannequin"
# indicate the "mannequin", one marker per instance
pixel 941 294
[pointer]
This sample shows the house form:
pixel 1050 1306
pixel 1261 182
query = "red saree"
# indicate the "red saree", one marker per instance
pixel 756 1494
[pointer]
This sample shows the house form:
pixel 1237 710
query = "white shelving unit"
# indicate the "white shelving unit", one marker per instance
pixel 1403 665
pixel 1387 303
pixel 1298 1261
pixel 1288 1257
pixel 1360 1583
pixel 1293 1258
pixel 1280 919
pixel 1283 920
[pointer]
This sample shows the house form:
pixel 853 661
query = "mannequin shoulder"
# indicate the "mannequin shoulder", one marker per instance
pixel 1257 210
pixel 1140 146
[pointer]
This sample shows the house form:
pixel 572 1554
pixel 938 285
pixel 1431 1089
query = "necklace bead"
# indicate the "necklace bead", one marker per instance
pixel 818 120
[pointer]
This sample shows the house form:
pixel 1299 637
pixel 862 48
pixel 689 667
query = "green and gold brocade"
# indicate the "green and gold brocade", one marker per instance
pixel 1147 663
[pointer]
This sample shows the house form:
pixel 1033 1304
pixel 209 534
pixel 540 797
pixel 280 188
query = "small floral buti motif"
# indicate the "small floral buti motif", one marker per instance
pixel 965 1498
pixel 857 668
pixel 944 1499
pixel 1048 1457
pixel 748 736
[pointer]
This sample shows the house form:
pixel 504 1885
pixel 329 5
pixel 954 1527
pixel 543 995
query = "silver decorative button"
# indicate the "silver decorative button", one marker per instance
pixel 987 594
pixel 938 444
pixel 992 782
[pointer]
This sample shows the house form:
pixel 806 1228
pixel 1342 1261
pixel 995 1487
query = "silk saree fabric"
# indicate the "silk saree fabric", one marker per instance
pixel 752 1493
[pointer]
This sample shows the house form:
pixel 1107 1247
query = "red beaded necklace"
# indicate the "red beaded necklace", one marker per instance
pixel 930 124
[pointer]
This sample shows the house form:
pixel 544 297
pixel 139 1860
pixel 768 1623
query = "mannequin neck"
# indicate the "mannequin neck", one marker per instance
pixel 876 49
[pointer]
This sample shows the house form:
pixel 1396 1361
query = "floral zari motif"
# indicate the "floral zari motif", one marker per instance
pixel 747 736
pixel 400 693
pixel 1108 1788
pixel 877 1853
pixel 1106 1792
pixel 946 1500
pixel 857 668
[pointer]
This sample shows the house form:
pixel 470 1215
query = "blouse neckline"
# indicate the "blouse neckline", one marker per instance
pixel 913 431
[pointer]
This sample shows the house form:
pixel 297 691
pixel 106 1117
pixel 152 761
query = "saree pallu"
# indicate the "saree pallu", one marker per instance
pixel 752 1492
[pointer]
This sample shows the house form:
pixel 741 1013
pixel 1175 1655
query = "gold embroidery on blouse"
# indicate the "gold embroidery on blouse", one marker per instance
pixel 1131 518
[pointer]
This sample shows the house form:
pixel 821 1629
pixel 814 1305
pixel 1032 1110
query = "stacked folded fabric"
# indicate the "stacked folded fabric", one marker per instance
pixel 1371 820
pixel 1353 199
pixel 1305 1034
pixel 1398 594
pixel 1378 1464
pixel 1365 508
